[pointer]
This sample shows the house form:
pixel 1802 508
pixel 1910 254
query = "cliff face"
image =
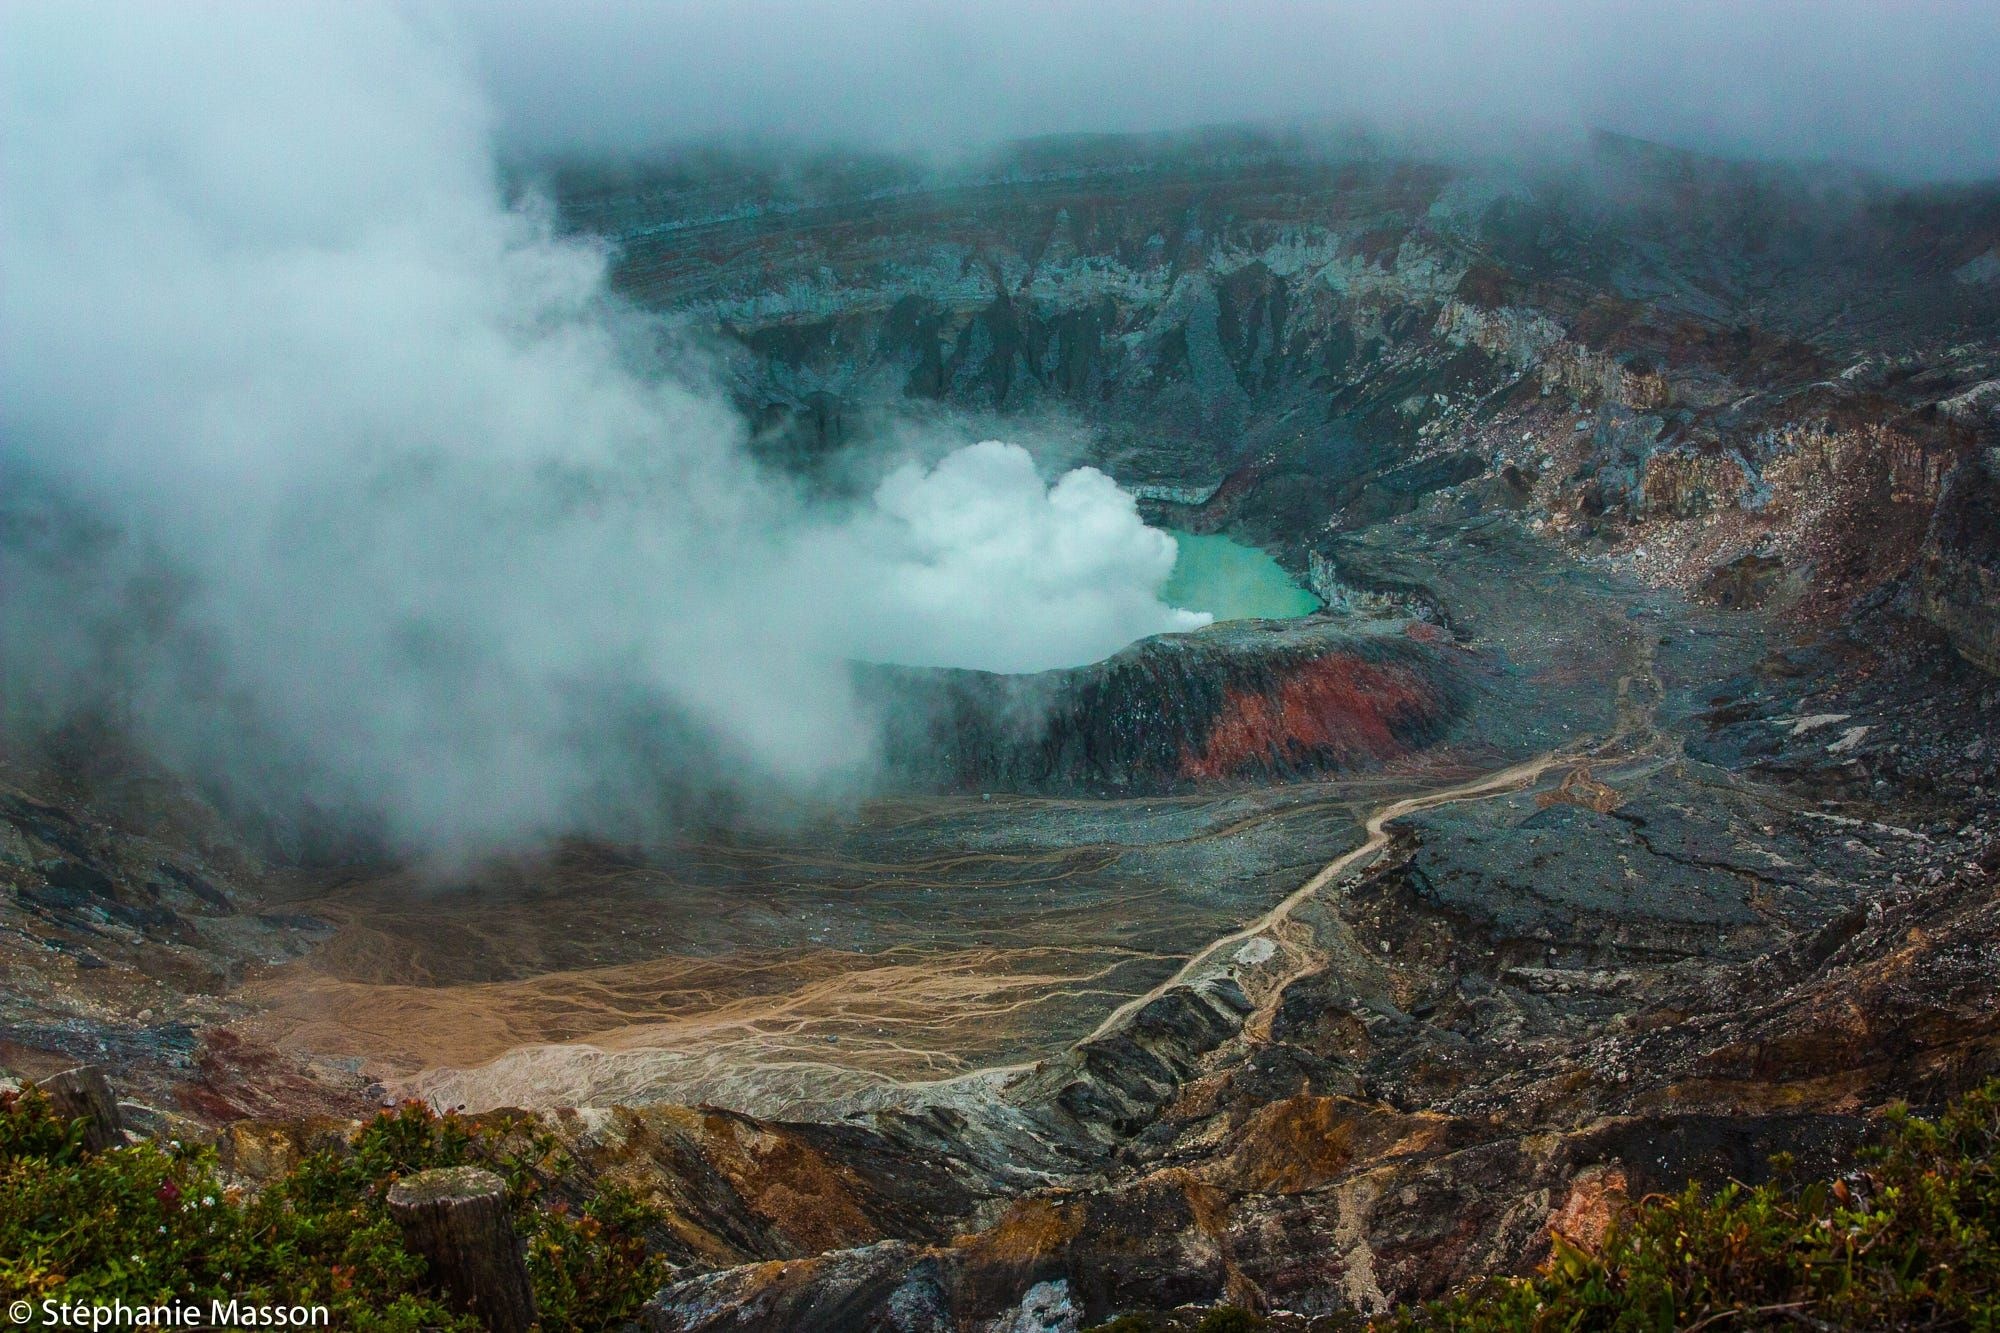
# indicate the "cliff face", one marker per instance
pixel 1248 701
pixel 1747 381
pixel 1957 583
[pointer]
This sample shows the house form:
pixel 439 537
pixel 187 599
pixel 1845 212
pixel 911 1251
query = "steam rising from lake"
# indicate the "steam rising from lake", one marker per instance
pixel 344 483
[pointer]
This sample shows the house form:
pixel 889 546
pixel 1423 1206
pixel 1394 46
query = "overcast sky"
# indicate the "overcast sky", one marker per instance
pixel 1904 86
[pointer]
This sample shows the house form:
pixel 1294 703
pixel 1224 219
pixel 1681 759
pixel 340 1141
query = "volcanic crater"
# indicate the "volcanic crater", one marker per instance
pixel 1627 803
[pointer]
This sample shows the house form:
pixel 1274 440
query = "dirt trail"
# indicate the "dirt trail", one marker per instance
pixel 811 1018
pixel 1638 698
pixel 1512 778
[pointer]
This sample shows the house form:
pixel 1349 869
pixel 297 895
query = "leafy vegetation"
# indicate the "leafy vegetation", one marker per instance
pixel 1910 1240
pixel 150 1224
pixel 1229 1319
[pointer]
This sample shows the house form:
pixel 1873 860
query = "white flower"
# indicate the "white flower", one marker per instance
pixel 208 1201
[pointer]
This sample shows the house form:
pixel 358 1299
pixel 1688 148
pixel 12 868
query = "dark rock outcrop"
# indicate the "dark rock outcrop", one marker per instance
pixel 1245 700
pixel 1957 581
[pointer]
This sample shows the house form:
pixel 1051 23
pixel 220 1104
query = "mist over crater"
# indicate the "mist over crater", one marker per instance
pixel 351 484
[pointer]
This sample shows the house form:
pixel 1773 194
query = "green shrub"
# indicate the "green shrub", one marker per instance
pixel 1229 1319
pixel 1910 1241
pixel 150 1224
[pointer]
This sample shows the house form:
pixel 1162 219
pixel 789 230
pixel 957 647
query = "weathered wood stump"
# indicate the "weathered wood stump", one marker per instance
pixel 83 1094
pixel 457 1219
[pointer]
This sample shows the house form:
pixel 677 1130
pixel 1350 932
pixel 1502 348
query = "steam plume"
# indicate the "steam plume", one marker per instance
pixel 350 483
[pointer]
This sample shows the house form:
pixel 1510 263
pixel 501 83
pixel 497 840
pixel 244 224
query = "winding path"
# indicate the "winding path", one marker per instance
pixel 1638 694
pixel 1508 779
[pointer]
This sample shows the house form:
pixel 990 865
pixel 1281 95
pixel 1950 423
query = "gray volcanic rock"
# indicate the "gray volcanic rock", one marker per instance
pixel 1420 1114
pixel 1241 700
pixel 1957 581
pixel 1752 380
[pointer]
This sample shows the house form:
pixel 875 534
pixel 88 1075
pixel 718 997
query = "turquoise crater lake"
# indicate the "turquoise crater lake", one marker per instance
pixel 1232 581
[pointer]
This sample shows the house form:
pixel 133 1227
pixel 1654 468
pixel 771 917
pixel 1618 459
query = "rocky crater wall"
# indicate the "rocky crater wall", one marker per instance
pixel 1247 700
pixel 1697 368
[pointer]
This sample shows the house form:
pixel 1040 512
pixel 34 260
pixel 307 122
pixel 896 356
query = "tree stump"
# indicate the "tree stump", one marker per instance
pixel 457 1218
pixel 82 1094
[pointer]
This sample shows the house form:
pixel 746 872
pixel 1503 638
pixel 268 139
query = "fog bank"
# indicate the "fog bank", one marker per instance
pixel 1903 88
